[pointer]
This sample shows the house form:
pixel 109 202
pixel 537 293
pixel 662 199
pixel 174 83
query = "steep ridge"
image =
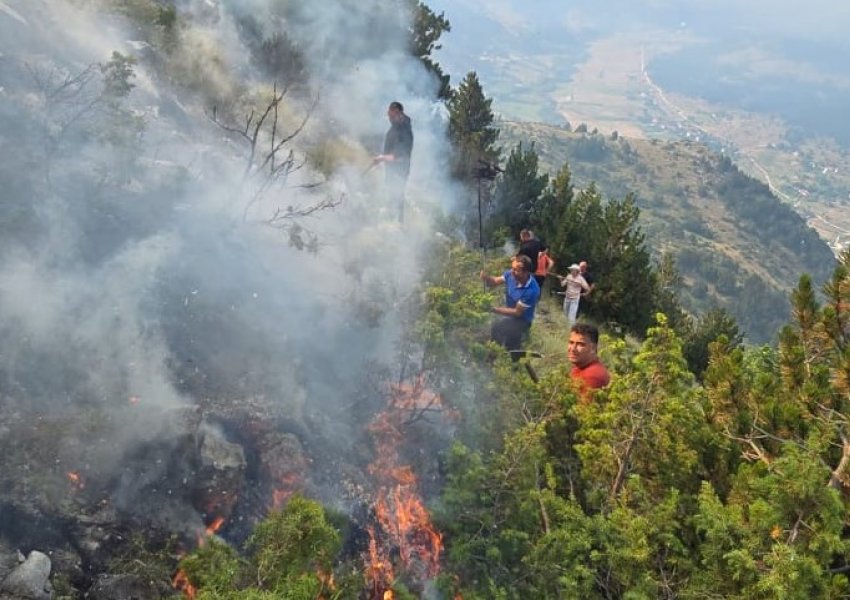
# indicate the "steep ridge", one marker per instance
pixel 735 244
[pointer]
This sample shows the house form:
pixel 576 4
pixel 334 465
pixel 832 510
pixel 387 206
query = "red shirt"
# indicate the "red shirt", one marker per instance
pixel 592 376
pixel 543 264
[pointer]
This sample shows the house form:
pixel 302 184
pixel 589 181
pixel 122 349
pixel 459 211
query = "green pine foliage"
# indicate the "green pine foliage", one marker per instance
pixel 518 190
pixel 290 555
pixel 471 130
pixel 663 485
pixel 424 34
pixel 582 226
pixel 707 469
pixel 736 245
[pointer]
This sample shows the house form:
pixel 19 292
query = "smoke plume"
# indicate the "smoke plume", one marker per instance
pixel 146 263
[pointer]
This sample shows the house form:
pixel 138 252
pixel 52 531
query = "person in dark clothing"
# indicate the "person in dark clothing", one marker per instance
pixel 398 145
pixel 531 247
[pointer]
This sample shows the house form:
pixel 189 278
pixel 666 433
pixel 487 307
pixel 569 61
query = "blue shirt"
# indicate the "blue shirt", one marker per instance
pixel 528 294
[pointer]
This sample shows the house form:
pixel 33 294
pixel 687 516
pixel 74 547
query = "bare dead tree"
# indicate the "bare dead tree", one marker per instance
pixel 271 160
pixel 67 99
pixel 72 98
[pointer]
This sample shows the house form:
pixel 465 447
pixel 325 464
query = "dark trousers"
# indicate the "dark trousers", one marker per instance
pixel 396 181
pixel 510 332
pixel 541 280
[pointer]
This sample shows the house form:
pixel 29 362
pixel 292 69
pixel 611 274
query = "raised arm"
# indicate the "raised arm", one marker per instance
pixel 491 280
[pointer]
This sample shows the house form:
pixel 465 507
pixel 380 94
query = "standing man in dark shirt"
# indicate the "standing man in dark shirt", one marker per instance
pixel 398 145
pixel 530 246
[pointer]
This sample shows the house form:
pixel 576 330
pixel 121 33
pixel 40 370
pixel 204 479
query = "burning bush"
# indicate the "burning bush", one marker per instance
pixel 290 555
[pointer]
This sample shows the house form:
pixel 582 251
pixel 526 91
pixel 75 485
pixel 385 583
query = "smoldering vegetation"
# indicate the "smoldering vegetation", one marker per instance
pixel 196 263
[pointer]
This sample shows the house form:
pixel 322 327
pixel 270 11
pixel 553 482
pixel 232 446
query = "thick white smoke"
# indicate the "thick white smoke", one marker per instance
pixel 139 275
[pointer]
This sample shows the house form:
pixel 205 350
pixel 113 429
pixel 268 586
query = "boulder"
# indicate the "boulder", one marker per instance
pixel 220 474
pixel 30 580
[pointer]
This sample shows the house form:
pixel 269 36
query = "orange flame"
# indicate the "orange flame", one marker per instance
pixel 289 484
pixel 213 527
pixel 76 480
pixel 210 530
pixel 181 582
pixel 405 524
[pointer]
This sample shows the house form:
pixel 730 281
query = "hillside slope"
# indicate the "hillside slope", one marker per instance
pixel 735 244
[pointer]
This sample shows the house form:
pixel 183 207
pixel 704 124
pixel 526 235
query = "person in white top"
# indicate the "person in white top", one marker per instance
pixel 575 285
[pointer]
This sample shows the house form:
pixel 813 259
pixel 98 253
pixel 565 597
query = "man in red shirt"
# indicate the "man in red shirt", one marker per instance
pixel 587 369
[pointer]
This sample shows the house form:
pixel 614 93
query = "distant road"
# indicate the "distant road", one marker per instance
pixel 683 115
pixel 659 92
pixel 770 185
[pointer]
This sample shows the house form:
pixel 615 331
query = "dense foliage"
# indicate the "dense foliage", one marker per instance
pixel 659 486
pixel 581 226
pixel 290 555
pixel 471 130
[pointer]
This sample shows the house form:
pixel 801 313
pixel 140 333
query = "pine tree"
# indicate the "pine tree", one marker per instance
pixel 699 334
pixel 650 424
pixel 471 129
pixel 553 204
pixel 425 31
pixel 609 238
pixel 519 190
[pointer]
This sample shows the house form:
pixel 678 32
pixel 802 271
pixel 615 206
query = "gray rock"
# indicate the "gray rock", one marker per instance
pixel 8 560
pixel 123 587
pixel 30 579
pixel 219 454
pixel 220 476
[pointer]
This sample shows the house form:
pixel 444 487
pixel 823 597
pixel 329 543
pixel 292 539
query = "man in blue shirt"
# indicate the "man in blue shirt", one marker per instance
pixel 521 296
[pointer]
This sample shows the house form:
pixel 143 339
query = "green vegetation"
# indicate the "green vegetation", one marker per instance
pixel 424 34
pixel 706 469
pixel 659 486
pixel 471 129
pixel 290 555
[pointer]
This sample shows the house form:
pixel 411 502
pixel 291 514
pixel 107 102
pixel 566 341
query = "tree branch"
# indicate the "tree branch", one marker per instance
pixel 631 443
pixel 838 478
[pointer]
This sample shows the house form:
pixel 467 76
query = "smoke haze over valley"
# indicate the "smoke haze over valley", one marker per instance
pixel 765 82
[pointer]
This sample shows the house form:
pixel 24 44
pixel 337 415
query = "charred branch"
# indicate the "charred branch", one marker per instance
pixel 252 133
pixel 274 165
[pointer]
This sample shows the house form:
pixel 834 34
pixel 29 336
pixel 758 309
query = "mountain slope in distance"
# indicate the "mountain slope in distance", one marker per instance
pixel 735 244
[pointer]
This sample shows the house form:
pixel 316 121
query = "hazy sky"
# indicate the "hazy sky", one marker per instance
pixel 817 19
